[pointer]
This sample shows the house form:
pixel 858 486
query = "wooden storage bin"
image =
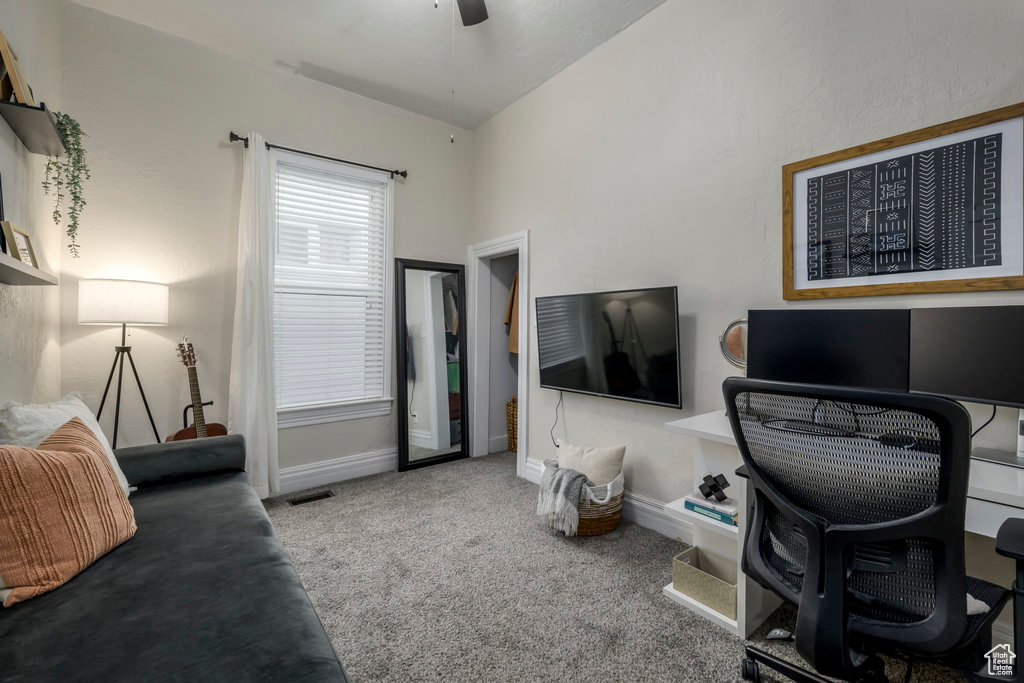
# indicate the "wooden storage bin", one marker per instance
pixel 707 578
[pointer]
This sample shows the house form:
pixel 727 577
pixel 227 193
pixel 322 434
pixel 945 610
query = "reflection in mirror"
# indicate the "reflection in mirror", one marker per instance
pixel 734 342
pixel 433 369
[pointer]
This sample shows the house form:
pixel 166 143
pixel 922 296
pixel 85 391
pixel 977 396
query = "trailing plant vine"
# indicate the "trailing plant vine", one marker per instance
pixel 64 178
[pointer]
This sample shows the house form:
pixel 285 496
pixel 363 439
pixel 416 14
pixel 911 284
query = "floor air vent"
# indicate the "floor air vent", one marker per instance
pixel 312 498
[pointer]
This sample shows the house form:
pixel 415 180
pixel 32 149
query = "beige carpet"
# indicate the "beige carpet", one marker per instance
pixel 445 574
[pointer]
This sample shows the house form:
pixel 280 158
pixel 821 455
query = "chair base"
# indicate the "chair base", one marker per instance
pixel 754 658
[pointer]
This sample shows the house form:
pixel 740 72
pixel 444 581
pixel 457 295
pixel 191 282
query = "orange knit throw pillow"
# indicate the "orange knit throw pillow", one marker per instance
pixel 61 509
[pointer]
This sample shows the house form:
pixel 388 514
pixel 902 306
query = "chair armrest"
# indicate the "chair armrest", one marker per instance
pixel 1010 539
pixel 742 472
pixel 164 462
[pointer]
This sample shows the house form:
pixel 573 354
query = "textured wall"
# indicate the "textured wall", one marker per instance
pixel 656 160
pixel 163 203
pixel 29 322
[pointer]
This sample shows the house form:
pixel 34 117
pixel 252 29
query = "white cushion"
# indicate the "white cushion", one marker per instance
pixel 601 465
pixel 29 424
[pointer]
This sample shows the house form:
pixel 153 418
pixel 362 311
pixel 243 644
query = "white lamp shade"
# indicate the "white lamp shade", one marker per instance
pixel 112 302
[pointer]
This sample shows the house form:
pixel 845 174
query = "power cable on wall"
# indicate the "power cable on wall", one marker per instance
pixel 557 406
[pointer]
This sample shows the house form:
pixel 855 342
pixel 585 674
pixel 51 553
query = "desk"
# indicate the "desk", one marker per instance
pixel 995 489
pixel 995 492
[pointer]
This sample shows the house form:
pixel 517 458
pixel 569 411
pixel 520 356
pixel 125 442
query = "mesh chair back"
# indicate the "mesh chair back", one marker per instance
pixel 863 483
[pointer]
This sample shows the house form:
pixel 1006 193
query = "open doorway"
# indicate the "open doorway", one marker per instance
pixel 497 270
pixel 503 354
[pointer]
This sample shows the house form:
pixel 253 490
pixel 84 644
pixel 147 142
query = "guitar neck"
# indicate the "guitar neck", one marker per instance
pixel 197 402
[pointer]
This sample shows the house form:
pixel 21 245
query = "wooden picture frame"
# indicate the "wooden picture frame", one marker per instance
pixel 19 244
pixel 939 209
pixel 13 80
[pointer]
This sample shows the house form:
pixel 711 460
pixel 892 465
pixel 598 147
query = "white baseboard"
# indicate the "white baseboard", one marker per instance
pixel 532 471
pixel 650 513
pixel 422 438
pixel 338 469
pixel 637 508
pixel 497 444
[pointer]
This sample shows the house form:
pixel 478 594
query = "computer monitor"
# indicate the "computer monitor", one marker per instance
pixel 971 354
pixel 856 348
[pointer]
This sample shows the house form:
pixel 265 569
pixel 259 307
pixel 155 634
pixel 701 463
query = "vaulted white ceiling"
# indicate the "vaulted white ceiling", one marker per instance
pixel 398 51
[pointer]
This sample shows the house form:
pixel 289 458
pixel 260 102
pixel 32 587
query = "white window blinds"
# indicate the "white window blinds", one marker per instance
pixel 331 311
pixel 561 320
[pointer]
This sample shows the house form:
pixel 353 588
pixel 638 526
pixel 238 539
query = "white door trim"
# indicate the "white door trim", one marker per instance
pixel 478 275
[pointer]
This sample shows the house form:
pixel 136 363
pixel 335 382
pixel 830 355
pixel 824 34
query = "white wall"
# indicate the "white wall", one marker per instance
pixel 656 160
pixel 504 366
pixel 163 203
pixel 29 321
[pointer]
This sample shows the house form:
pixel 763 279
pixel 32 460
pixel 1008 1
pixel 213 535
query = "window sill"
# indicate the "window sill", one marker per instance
pixel 335 412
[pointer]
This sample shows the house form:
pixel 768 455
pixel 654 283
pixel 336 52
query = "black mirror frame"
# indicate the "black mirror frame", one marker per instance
pixel 401 335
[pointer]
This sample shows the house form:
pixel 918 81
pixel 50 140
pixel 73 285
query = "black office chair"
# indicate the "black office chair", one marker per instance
pixel 857 516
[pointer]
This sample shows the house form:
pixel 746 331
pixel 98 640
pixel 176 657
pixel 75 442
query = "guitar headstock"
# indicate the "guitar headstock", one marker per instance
pixel 186 354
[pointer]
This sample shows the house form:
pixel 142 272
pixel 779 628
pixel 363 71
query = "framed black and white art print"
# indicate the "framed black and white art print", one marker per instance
pixel 935 210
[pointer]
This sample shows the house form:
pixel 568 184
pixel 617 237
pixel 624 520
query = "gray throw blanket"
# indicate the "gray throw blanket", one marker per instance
pixel 561 490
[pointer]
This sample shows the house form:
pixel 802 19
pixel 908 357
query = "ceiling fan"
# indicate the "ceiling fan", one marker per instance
pixel 473 12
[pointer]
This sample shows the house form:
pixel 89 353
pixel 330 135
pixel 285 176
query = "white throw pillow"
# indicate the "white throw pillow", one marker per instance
pixel 30 423
pixel 601 465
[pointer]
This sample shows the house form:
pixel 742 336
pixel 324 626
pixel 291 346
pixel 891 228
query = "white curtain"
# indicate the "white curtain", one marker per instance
pixel 252 407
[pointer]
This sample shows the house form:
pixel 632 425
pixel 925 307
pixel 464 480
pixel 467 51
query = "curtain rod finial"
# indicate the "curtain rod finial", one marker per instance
pixel 235 137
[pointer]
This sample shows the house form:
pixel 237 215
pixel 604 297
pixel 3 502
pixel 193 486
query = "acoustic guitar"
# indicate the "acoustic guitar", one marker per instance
pixel 199 428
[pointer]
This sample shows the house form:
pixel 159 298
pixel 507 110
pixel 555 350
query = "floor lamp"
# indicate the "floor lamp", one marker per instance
pixel 122 302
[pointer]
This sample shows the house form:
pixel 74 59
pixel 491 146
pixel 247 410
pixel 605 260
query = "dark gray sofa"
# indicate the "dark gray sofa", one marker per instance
pixel 203 592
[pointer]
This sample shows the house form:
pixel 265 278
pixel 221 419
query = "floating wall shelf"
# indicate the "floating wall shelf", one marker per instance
pixel 36 126
pixel 14 272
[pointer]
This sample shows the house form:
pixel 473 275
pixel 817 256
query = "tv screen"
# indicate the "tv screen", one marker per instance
pixel 968 353
pixel 621 344
pixel 854 348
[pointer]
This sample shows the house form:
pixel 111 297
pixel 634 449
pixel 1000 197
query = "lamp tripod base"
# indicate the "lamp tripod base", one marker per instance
pixel 120 353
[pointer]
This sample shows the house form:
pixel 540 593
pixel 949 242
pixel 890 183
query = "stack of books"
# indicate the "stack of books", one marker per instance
pixel 725 511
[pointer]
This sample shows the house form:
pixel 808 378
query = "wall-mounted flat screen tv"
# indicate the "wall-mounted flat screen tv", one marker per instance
pixel 622 344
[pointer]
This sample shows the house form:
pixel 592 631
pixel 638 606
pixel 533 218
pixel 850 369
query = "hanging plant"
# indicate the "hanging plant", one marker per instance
pixel 64 178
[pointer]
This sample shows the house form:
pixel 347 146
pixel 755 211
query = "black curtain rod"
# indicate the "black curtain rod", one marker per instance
pixel 235 137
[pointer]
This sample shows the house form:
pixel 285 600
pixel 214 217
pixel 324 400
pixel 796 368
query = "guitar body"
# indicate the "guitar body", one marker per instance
pixel 214 429
pixel 199 429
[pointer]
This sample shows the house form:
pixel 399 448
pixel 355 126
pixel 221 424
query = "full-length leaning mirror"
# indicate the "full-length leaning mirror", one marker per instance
pixel 430 330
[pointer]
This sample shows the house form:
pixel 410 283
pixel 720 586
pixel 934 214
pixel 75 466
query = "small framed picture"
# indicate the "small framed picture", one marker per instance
pixel 19 244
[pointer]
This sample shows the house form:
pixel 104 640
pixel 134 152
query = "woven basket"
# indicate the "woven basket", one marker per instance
pixel 512 418
pixel 600 519
pixel 601 509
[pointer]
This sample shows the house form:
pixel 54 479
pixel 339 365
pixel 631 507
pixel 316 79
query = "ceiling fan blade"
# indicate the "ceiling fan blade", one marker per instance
pixel 473 12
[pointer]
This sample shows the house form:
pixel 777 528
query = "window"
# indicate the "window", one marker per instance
pixel 332 311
